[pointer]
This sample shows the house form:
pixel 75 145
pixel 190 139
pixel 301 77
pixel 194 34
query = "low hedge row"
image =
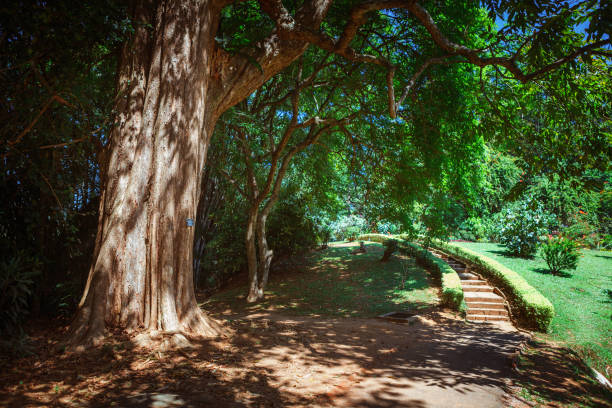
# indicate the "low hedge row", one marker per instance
pixel 533 309
pixel 452 293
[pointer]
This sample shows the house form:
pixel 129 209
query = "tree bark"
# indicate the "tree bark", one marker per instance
pixel 265 253
pixel 251 252
pixel 141 274
pixel 173 84
pixel 259 255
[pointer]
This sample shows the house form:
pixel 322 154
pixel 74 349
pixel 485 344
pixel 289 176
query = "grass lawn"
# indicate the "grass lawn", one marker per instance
pixel 583 307
pixel 335 283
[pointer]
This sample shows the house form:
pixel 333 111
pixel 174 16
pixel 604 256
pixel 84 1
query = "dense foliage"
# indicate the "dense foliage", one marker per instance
pixel 522 225
pixel 560 254
pixel 468 155
pixel 57 77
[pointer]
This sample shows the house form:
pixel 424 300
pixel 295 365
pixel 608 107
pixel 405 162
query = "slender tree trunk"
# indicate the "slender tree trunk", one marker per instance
pixel 251 253
pixel 259 256
pixel 141 275
pixel 265 254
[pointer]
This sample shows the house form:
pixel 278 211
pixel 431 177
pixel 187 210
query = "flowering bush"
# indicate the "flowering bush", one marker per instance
pixel 560 253
pixel 521 228
pixel 581 231
pixel 387 227
pixel 348 227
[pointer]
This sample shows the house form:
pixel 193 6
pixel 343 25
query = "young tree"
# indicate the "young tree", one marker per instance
pixel 281 120
pixel 174 81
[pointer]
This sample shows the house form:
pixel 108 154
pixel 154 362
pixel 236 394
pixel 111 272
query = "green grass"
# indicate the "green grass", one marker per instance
pixel 583 305
pixel 451 290
pixel 335 283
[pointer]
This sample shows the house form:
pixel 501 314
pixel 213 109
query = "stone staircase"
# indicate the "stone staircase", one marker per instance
pixel 483 304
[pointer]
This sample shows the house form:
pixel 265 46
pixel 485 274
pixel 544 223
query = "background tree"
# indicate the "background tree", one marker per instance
pixel 57 75
pixel 279 121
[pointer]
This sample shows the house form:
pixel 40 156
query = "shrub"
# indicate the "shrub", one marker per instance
pixel 531 307
pixel 606 242
pixel 16 281
pixel 348 227
pixel 521 228
pixel 490 227
pixel 290 231
pixel 452 291
pixel 472 229
pixel 387 227
pixel 560 253
pixel 582 233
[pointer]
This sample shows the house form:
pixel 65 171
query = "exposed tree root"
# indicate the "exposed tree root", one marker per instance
pixel 196 325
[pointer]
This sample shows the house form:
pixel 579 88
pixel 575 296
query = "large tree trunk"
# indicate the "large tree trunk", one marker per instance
pixel 141 274
pixel 173 84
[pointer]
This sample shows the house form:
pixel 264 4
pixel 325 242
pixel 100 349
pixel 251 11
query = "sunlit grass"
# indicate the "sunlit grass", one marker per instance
pixel 334 282
pixel 583 305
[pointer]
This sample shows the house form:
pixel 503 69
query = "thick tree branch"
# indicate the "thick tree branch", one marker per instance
pixel 417 75
pixel 240 76
pixel 472 55
pixel 253 192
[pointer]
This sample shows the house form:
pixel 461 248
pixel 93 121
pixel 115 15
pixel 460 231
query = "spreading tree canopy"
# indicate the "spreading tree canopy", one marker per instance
pixel 187 62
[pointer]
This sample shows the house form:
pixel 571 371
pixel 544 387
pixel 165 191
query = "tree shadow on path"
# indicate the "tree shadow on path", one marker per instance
pixel 274 360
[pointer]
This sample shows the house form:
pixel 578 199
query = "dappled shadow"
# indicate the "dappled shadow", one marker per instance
pixel 334 282
pixel 609 256
pixel 506 253
pixel 279 360
pixel 558 375
pixel 120 374
pixel 545 271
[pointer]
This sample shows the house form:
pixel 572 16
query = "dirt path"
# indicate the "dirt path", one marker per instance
pixel 275 360
pixel 435 362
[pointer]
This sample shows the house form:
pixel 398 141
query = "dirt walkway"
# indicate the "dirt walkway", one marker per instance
pixel 435 362
pixel 275 360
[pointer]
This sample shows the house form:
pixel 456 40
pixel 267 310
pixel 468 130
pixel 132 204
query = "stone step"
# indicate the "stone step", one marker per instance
pixel 468 276
pixel 489 312
pixel 485 318
pixel 486 305
pixel 474 281
pixel 481 297
pixel 476 288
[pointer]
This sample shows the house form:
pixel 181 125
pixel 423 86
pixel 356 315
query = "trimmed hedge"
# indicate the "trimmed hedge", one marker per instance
pixel 452 293
pixel 534 310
